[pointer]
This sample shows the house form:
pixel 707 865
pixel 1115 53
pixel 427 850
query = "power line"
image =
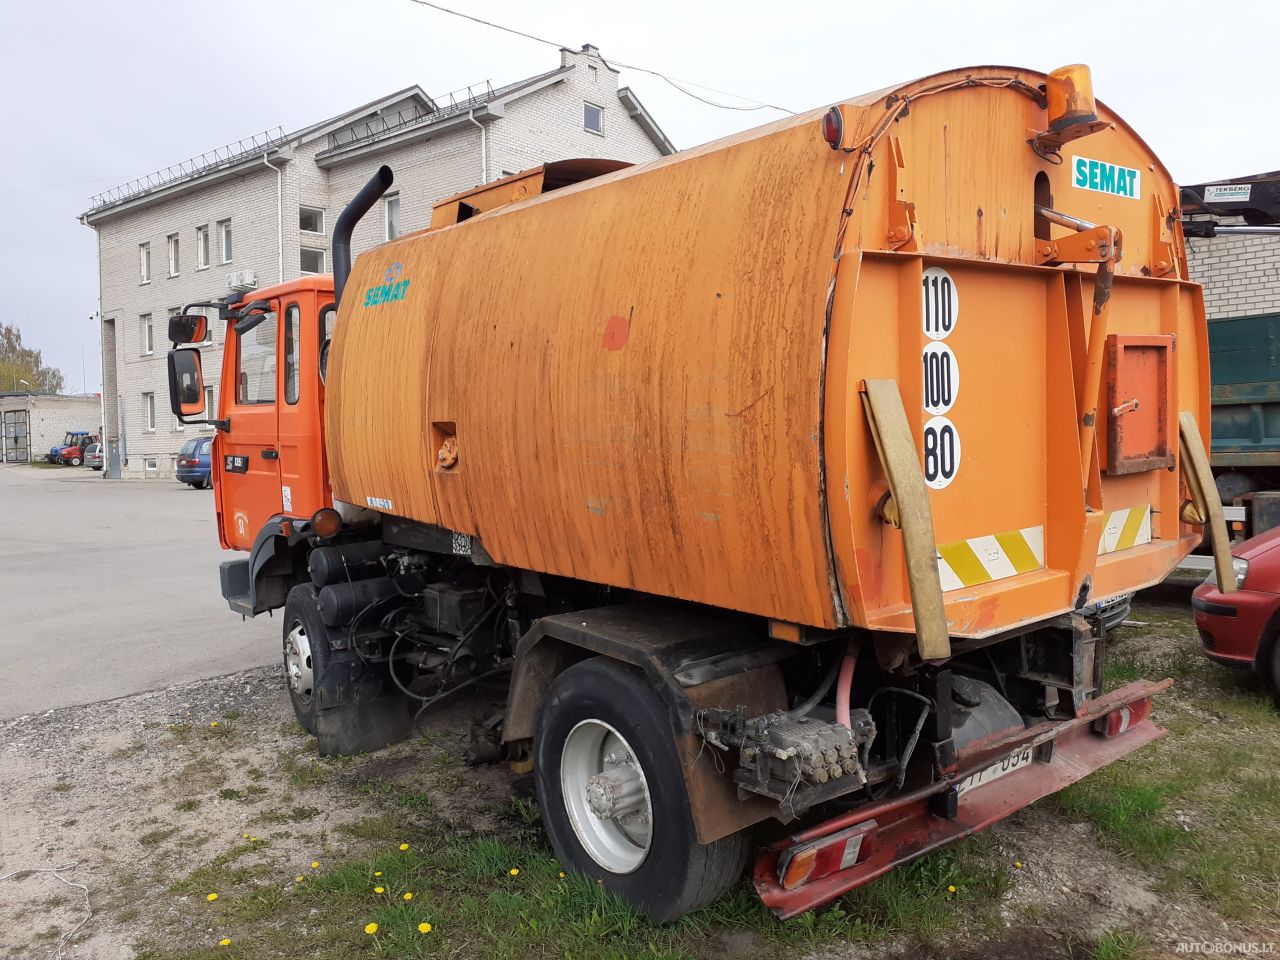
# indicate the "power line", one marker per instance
pixel 676 82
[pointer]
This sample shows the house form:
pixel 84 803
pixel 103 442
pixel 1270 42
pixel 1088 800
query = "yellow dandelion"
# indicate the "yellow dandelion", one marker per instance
pixel 244 836
pixel 379 890
pixel 561 874
pixel 212 897
pixel 253 839
pixel 377 873
pixel 951 888
pixel 214 724
pixel 298 879
pixel 315 864
pixel 371 928
pixel 424 927
pixel 408 896
pixel 224 942
pixel 1017 864
pixel 404 846
pixel 514 871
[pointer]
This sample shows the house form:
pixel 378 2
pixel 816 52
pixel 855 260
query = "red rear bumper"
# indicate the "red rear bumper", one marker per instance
pixel 905 828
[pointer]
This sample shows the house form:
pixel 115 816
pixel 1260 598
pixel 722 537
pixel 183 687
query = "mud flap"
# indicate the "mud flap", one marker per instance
pixel 356 712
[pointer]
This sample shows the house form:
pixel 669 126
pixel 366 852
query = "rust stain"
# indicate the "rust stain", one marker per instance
pixel 743 411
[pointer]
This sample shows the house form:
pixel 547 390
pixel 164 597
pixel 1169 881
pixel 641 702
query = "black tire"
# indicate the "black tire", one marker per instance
pixel 75 461
pixel 301 608
pixel 678 874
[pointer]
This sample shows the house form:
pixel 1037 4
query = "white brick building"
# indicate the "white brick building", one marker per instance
pixel 267 205
pixel 1240 274
pixel 32 423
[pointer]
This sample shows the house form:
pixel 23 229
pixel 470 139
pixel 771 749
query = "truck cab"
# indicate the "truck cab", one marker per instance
pixel 267 464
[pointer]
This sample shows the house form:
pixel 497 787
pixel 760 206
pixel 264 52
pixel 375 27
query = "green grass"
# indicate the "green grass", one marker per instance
pixel 1200 808
pixel 465 890
pixel 1118 945
pixel 187 805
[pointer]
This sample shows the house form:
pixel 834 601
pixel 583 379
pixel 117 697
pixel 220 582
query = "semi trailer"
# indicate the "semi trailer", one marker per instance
pixel 773 477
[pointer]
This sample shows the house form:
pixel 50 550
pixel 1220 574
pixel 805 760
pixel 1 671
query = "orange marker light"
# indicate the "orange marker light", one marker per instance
pixel 326 522
pixel 1069 91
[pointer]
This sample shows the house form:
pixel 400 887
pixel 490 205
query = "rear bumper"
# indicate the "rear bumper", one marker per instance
pixel 191 474
pixel 905 827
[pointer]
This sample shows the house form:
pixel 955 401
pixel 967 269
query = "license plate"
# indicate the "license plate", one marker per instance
pixel 1015 761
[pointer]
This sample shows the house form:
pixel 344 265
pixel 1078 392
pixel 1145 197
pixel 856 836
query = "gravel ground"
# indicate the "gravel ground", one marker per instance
pixel 133 796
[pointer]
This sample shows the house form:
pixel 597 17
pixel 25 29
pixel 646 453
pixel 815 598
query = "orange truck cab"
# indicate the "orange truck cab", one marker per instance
pixel 782 477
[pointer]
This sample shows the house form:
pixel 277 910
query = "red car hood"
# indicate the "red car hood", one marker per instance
pixel 1255 546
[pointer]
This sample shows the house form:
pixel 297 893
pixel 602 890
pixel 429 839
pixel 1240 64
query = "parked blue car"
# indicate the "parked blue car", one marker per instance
pixel 194 461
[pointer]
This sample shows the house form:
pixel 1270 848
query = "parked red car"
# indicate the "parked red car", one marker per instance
pixel 1240 629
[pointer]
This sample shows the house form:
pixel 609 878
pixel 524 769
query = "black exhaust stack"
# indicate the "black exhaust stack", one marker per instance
pixel 360 204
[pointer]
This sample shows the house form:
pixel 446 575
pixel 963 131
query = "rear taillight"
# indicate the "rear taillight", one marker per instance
pixel 1118 721
pixel 833 128
pixel 826 855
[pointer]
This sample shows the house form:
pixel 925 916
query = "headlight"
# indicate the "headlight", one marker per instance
pixel 1241 568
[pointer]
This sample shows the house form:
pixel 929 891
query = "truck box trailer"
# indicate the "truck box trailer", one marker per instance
pixel 776 474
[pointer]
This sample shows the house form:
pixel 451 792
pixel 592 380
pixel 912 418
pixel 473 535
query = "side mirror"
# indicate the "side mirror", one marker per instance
pixel 188 328
pixel 186 384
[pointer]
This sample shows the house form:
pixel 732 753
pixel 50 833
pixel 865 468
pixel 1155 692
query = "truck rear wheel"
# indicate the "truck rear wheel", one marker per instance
pixel 306 652
pixel 613 798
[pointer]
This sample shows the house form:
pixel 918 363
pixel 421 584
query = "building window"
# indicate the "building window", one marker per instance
pixel 592 118
pixel 311 220
pixel 224 232
pixel 146 335
pixel 144 262
pixel 311 261
pixel 178 426
pixel 593 72
pixel 151 464
pixel 202 247
pixel 392 204
pixel 149 412
pixel 210 394
pixel 173 254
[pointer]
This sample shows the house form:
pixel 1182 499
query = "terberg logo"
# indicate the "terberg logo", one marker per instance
pixel 391 290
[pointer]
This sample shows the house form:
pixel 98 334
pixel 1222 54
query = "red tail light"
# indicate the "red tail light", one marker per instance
pixel 1118 721
pixel 833 128
pixel 826 855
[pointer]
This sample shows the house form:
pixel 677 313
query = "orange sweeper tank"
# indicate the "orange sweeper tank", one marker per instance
pixel 927 363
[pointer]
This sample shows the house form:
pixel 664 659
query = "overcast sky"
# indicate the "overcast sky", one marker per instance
pixel 94 93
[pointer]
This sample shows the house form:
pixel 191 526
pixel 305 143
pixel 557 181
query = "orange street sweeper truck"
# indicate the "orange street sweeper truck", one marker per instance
pixel 780 477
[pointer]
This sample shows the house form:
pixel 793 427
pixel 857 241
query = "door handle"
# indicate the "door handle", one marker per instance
pixel 270 454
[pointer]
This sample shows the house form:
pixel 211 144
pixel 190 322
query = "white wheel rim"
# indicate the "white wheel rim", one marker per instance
pixel 297 662
pixel 595 754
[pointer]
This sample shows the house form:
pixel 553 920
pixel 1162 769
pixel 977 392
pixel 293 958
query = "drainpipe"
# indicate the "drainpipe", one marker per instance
pixel 279 217
pixel 484 147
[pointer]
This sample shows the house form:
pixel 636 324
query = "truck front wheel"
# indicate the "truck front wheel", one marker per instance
pixel 306 652
pixel 613 796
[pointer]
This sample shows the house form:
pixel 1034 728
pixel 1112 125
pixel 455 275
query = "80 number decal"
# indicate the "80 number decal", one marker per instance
pixel 941 452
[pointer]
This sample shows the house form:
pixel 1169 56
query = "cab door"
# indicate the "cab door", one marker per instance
pixel 248 452
pixel 304 487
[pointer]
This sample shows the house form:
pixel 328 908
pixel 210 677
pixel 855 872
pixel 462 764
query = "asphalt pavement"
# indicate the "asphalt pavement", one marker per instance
pixel 110 587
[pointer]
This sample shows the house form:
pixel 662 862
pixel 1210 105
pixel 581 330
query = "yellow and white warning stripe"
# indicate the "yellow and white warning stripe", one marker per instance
pixel 1125 528
pixel 967 563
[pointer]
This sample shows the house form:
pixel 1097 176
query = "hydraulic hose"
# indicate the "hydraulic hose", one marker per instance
pixel 844 689
pixel 815 698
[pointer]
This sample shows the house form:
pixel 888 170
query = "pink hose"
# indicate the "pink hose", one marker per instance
pixel 844 685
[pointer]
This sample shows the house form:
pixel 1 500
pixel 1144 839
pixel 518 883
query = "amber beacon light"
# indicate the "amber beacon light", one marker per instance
pixel 1069 91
